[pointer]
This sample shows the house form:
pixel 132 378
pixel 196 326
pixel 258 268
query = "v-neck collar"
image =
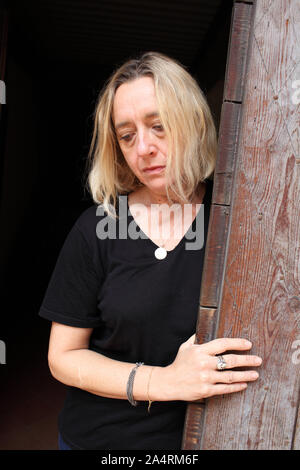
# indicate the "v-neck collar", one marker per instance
pixel 149 240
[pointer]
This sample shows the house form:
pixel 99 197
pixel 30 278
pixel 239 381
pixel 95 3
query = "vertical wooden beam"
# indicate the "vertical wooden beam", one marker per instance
pixel 256 290
pixel 215 252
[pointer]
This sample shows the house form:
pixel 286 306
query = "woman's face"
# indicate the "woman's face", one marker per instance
pixel 140 133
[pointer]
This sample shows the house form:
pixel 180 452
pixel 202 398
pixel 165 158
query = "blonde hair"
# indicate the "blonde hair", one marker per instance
pixel 185 117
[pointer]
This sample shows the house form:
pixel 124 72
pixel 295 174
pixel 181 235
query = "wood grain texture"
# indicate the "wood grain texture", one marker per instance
pixel 237 57
pixel 207 318
pixel 193 422
pixel 220 211
pixel 214 256
pixel 254 285
pixel 227 147
pixel 261 288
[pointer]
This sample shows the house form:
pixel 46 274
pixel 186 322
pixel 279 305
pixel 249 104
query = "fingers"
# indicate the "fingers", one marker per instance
pixel 220 345
pixel 203 359
pixel 229 381
pixel 231 377
pixel 236 360
pixel 222 389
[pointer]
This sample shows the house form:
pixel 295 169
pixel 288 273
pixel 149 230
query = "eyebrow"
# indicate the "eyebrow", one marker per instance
pixel 147 116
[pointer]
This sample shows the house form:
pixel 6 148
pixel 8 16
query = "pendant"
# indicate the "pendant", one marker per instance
pixel 160 253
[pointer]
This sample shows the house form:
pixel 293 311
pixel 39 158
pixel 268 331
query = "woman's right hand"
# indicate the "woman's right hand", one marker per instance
pixel 194 375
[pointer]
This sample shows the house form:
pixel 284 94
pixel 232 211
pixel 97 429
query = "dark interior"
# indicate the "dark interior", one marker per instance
pixel 59 54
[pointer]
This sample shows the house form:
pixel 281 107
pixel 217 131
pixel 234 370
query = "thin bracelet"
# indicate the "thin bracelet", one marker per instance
pixel 130 384
pixel 150 401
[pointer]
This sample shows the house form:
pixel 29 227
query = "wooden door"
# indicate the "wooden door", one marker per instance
pixel 251 283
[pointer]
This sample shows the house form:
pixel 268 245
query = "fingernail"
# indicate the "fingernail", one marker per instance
pixel 258 360
pixel 254 375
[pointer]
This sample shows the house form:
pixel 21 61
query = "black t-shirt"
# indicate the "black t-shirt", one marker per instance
pixel 141 309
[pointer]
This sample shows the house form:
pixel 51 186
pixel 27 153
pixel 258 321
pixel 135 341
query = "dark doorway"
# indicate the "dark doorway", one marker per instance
pixel 59 53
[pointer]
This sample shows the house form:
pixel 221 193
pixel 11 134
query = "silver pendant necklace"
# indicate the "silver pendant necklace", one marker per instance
pixel 160 252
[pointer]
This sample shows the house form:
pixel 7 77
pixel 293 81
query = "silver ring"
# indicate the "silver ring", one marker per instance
pixel 221 365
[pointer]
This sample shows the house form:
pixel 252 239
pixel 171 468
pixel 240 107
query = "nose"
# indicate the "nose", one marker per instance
pixel 145 145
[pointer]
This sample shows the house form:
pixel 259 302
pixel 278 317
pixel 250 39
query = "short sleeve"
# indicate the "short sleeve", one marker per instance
pixel 73 290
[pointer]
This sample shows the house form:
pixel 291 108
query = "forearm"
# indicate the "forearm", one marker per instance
pixel 100 375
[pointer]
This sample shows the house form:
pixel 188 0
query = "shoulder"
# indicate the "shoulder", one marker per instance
pixel 96 218
pixel 85 224
pixel 92 215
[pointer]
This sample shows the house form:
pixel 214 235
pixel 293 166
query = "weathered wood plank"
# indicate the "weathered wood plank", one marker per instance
pixel 260 293
pixel 227 146
pixel 223 187
pixel 206 324
pixel 214 256
pixel 237 56
pixel 193 421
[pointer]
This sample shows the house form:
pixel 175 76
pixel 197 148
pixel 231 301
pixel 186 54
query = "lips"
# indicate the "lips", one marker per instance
pixel 154 169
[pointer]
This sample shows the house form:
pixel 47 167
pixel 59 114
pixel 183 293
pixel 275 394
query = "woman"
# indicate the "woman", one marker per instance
pixel 124 307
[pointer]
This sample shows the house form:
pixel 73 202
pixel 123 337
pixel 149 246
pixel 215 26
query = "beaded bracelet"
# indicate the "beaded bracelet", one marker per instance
pixel 130 384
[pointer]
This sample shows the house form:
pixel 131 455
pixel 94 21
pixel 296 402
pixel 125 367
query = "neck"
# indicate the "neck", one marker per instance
pixel 151 197
pixel 155 198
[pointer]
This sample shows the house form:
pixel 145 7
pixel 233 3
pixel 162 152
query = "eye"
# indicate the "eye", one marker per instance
pixel 126 137
pixel 158 127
